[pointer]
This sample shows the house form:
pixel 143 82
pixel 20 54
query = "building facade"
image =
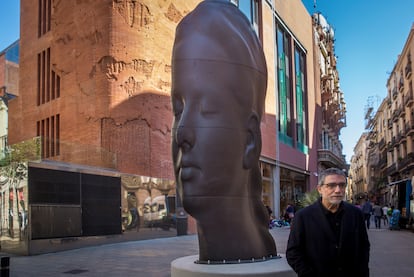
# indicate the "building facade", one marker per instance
pixel 357 171
pixel 332 112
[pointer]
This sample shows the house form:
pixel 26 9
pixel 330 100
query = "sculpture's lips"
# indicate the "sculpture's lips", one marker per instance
pixel 186 173
pixel 187 170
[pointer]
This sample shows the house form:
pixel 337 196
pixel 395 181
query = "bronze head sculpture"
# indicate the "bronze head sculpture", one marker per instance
pixel 219 80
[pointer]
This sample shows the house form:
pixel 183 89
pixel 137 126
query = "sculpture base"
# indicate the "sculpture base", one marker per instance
pixel 185 267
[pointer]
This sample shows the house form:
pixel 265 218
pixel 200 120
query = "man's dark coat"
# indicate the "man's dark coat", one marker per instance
pixel 313 251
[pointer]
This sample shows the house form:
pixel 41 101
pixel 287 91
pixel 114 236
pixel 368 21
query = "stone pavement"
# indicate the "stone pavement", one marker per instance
pixel 392 254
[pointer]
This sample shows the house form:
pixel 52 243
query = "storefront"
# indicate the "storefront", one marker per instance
pixel 292 187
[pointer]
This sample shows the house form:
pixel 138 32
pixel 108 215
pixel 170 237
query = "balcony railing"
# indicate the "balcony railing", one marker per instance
pixel 382 163
pixel 408 101
pixel 402 163
pixel 394 93
pixel 409 128
pixel 389 123
pixel 381 144
pixel 402 137
pixel 328 157
pixel 402 111
pixel 393 141
pixel 391 169
pixel 390 147
pixel 401 84
pixel 408 70
pixel 396 114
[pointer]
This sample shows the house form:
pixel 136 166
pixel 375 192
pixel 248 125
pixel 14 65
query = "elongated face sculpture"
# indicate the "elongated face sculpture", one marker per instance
pixel 219 80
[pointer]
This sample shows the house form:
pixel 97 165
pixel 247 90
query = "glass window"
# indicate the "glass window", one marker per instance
pixel 267 184
pixel 284 86
pixel 250 8
pixel 301 111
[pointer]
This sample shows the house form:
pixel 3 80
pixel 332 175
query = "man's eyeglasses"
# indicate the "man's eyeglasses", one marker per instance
pixel 334 185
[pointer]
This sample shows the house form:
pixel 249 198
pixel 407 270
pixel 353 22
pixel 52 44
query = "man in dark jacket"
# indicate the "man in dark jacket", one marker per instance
pixel 329 238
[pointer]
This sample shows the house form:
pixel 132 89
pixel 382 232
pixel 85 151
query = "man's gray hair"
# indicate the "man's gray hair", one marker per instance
pixel 330 171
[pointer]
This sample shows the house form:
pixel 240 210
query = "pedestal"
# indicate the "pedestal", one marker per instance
pixel 185 267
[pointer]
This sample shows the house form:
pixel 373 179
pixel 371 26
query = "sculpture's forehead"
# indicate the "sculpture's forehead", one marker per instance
pixel 218 31
pixel 193 77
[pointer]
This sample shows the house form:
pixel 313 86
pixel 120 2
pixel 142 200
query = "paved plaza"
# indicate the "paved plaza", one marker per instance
pixel 392 254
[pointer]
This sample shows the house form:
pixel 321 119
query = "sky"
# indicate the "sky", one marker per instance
pixel 9 22
pixel 369 36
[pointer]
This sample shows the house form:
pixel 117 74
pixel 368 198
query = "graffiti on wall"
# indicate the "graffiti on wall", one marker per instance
pixel 147 203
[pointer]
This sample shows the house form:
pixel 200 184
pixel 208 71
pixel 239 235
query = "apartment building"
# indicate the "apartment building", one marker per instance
pixel 377 150
pixel 332 112
pixel 357 171
pixel 401 116
pixel 400 160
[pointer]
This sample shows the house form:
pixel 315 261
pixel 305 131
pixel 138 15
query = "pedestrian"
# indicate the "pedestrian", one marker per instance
pixel 377 212
pixel 329 238
pixel 385 214
pixel 367 210
pixel 395 218
pixel 289 213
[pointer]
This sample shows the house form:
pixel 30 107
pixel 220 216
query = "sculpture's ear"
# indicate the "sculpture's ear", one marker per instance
pixel 253 142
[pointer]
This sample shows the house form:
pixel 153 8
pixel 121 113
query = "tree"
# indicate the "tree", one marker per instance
pixel 308 198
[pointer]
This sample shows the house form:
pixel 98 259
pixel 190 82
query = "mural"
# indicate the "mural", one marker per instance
pixel 147 203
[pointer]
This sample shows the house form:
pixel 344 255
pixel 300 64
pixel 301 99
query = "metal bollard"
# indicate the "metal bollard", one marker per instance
pixel 4 266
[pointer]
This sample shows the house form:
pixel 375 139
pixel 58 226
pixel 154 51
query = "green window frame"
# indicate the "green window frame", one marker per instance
pixel 301 100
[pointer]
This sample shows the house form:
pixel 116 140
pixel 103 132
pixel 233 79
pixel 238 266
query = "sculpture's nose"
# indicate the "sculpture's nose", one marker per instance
pixel 185 137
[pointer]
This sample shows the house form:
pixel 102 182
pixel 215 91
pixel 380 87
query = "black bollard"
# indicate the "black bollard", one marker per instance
pixel 5 264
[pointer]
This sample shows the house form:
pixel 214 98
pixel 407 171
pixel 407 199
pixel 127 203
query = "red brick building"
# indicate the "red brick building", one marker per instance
pixel 95 79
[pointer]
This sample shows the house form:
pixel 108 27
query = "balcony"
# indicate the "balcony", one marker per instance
pixel 392 169
pixel 409 128
pixel 393 141
pixel 408 70
pixel 402 137
pixel 328 158
pixel 402 163
pixel 326 96
pixel 406 162
pixel 381 144
pixel 382 164
pixel 394 93
pixel 408 101
pixel 401 84
pixel 396 114
pixel 390 147
pixel 389 123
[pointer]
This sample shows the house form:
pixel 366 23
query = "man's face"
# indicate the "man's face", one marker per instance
pixel 332 191
pixel 209 129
